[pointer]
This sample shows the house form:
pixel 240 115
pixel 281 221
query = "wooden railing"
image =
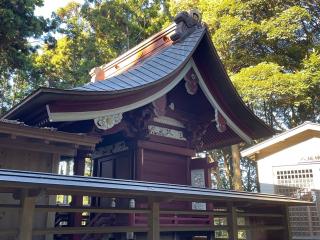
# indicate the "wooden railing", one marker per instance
pixel 199 221
pixel 261 214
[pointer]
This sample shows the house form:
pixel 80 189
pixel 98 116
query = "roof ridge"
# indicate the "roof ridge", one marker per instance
pixel 138 48
pixel 184 24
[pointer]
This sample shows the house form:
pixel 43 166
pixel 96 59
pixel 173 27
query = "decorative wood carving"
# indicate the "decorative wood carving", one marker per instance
pixel 110 149
pixel 107 122
pixel 186 24
pixel 221 123
pixel 137 120
pixel 160 106
pixel 191 82
pixel 196 132
pixel 166 132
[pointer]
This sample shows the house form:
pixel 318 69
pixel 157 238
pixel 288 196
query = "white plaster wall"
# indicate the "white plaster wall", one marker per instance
pixel 300 154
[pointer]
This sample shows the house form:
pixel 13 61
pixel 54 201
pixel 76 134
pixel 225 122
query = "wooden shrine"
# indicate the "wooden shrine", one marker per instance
pixel 154 108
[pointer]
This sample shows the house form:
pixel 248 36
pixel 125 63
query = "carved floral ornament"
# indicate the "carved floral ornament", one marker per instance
pixel 160 106
pixel 221 123
pixel 108 121
pixel 191 82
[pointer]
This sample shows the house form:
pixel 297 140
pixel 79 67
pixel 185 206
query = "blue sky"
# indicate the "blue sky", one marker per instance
pixel 52 5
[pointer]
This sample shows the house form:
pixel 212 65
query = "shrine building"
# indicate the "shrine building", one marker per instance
pixel 140 120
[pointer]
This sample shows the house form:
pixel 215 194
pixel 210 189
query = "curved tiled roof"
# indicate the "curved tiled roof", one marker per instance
pixel 144 74
pixel 150 70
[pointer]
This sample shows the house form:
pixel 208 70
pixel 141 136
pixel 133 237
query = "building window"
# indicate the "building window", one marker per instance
pixel 298 182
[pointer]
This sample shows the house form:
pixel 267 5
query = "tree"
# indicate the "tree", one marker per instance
pixel 18 25
pixel 267 35
pixel 93 34
pixel 68 62
pixel 270 49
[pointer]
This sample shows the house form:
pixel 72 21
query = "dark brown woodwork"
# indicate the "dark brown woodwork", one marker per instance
pixel 166 148
pixel 77 200
pixel 162 167
pixel 137 121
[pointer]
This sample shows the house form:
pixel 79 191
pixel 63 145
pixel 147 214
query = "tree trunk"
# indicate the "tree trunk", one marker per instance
pixel 227 167
pixel 237 184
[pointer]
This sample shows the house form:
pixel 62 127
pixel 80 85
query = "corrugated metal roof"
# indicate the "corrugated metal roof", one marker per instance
pixel 152 69
pixel 118 187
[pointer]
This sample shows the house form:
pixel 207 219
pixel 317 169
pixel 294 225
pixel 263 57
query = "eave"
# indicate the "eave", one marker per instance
pixel 60 184
pixel 19 130
pixel 145 82
pixel 283 140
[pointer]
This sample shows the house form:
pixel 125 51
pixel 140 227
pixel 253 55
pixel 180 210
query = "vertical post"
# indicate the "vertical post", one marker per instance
pixel 77 201
pixel 26 216
pixel 139 166
pixel 52 199
pixel 154 221
pixel 286 223
pixel 232 222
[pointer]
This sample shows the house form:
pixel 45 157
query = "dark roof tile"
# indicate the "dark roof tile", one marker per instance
pixel 151 69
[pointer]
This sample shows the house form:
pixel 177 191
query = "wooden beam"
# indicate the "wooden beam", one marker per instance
pixel 232 222
pixel 192 228
pixel 54 136
pixel 266 215
pixel 85 230
pixel 38 147
pixel 9 232
pixel 166 148
pixel 194 212
pixel 90 209
pixel 154 221
pixel 26 217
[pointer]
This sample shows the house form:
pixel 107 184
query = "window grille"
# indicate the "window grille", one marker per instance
pixel 299 182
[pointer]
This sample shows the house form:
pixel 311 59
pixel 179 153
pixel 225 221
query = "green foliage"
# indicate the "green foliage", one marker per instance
pixel 18 23
pixel 222 176
pixel 67 64
pixel 267 47
pixel 270 49
pixel 94 34
pixel 271 91
pixel 18 27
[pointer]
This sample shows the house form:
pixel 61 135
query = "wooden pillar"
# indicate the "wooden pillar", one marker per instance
pixel 154 221
pixel 232 222
pixel 26 216
pixel 77 201
pixel 286 222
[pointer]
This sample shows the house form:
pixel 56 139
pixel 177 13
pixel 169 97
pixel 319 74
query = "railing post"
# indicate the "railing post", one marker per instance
pixel 132 204
pixel 26 216
pixel 77 201
pixel 154 220
pixel 232 222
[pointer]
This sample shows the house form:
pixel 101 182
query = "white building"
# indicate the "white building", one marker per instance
pixel 289 164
